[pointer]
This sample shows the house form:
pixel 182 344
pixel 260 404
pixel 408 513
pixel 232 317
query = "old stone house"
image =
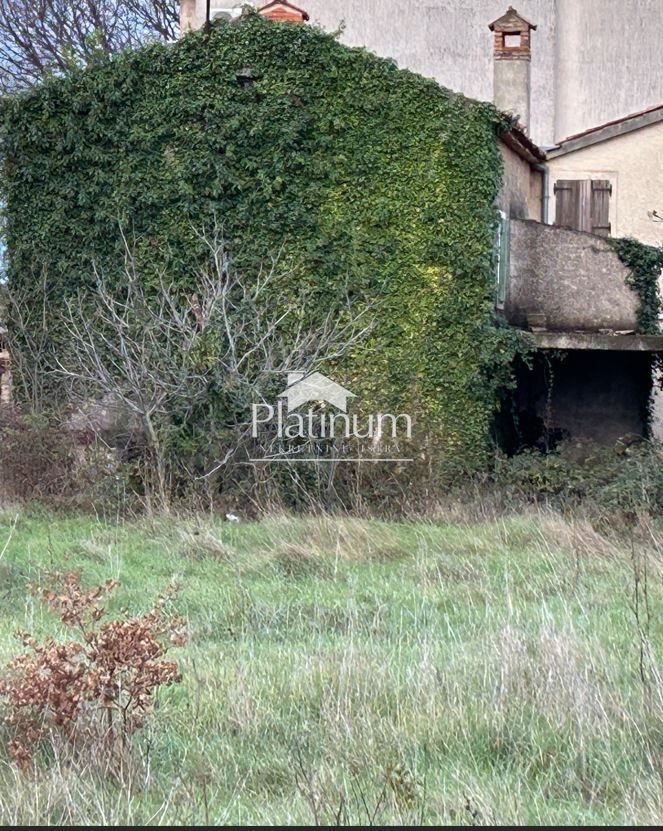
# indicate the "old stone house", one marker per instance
pixel 556 275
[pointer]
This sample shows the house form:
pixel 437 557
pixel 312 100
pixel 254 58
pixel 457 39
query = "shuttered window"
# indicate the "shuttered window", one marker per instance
pixel 502 260
pixel 584 205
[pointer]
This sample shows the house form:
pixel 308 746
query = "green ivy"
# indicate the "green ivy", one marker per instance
pixel 375 183
pixel 645 263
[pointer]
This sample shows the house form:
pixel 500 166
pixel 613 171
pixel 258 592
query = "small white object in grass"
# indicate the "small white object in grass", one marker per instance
pixel 232 518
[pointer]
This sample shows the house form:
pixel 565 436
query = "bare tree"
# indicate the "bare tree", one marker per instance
pixel 41 37
pixel 160 353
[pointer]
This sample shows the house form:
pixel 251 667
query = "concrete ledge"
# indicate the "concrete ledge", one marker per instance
pixel 591 340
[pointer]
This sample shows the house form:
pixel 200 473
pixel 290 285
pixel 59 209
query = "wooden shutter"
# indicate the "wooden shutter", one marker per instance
pixel 567 203
pixel 601 190
pixel 584 205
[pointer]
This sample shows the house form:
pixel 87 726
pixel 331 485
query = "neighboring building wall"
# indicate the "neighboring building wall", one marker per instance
pixel 632 163
pixel 609 61
pixel 575 280
pixel 522 190
pixel 592 60
pixel 448 41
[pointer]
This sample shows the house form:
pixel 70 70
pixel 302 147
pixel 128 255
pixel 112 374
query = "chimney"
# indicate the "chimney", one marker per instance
pixel 512 55
pixel 281 11
pixel 187 16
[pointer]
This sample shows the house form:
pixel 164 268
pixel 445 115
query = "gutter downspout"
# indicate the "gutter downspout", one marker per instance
pixel 545 191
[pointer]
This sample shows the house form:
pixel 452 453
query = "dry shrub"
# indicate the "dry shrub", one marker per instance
pixel 93 692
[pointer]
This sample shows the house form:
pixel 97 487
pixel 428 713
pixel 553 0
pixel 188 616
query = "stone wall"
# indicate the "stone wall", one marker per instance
pixel 520 196
pixel 576 280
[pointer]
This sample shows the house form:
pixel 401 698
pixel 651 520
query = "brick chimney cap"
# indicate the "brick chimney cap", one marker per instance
pixel 286 7
pixel 511 22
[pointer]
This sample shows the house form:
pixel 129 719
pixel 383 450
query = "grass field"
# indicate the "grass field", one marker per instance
pixel 357 672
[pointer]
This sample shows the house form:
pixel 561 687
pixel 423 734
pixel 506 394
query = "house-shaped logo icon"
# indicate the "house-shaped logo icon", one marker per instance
pixel 303 388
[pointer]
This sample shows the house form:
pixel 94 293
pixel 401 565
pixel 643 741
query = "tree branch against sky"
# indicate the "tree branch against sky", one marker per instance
pixel 40 37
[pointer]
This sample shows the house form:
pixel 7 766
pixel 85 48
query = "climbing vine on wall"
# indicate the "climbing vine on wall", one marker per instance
pixel 645 263
pixel 375 185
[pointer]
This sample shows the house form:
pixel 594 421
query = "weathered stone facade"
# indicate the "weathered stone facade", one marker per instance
pixel 572 280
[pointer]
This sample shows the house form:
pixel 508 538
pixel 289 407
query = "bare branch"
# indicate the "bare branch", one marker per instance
pixel 161 352
pixel 41 37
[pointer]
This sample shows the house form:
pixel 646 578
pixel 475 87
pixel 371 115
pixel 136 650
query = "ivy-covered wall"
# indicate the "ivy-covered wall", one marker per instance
pixel 375 184
pixel 645 263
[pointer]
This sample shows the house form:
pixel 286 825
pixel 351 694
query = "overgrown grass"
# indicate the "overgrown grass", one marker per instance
pixel 360 672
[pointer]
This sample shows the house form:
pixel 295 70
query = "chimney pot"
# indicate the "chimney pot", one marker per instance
pixel 511 65
pixel 283 11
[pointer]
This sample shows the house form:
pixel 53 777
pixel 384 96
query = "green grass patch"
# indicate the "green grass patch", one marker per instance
pixel 363 672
